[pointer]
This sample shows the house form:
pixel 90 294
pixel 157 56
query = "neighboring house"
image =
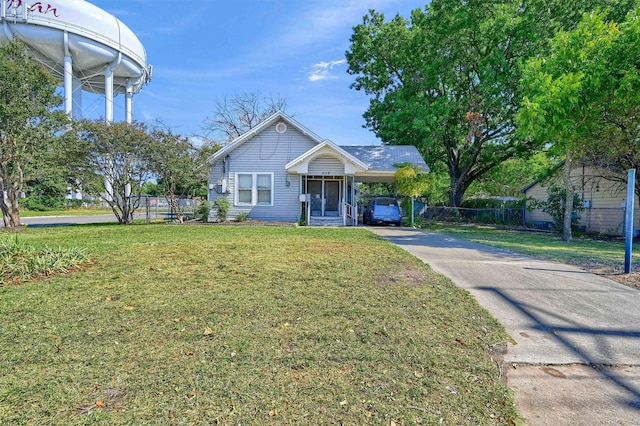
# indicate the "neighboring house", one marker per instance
pixel 603 200
pixel 281 171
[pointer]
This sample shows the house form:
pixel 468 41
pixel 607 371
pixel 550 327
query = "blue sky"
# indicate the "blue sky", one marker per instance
pixel 204 50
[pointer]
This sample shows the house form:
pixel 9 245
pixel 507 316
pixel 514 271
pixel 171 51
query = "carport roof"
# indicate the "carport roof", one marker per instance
pixel 387 157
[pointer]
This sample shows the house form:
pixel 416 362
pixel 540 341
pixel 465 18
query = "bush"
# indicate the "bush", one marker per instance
pixel 42 204
pixel 20 262
pixel 554 207
pixel 222 205
pixel 202 211
pixel 241 217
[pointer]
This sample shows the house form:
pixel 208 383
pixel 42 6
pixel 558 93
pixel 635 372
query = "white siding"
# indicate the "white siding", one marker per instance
pixel 326 165
pixel 604 214
pixel 267 152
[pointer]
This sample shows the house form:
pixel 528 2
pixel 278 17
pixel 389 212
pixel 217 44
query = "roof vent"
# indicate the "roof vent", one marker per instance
pixel 281 127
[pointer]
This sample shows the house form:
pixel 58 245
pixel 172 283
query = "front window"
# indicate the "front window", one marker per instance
pixel 254 189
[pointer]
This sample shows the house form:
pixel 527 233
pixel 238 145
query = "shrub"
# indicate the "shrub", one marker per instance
pixel 20 262
pixel 241 217
pixel 202 211
pixel 222 205
pixel 554 207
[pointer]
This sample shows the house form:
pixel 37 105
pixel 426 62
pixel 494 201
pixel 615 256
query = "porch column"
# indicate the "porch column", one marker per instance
pixel 344 200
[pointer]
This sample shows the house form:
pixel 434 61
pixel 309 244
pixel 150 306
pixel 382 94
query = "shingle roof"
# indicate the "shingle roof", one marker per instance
pixel 387 157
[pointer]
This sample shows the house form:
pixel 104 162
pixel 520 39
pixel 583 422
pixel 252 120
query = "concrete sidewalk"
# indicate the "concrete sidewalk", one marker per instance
pixel 577 357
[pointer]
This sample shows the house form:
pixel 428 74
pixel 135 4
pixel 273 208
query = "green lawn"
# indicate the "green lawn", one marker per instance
pixel 244 325
pixel 587 252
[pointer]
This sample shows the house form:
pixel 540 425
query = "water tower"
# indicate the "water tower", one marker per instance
pixel 84 47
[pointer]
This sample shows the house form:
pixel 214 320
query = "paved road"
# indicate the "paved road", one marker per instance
pixel 71 220
pixel 577 354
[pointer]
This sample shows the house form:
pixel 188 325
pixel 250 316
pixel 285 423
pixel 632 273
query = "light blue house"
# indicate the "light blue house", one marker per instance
pixel 281 171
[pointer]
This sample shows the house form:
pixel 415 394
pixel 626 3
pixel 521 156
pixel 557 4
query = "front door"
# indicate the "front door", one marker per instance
pixel 325 197
pixel 332 198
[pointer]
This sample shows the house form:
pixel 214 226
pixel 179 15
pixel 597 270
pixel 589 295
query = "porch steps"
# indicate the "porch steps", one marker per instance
pixel 326 221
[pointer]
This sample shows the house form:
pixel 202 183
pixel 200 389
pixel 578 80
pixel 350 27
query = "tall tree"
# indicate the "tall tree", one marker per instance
pixel 446 80
pixel 586 85
pixel 238 114
pixel 112 161
pixel 180 166
pixel 29 125
pixel 614 142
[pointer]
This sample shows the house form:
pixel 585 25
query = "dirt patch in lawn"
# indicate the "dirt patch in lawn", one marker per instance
pixel 617 275
pixel 408 276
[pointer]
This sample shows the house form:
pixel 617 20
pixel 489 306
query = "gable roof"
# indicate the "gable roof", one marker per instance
pixel 387 157
pixel 274 118
pixel 374 160
pixel 327 145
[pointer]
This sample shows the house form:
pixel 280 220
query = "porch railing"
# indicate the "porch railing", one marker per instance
pixel 351 214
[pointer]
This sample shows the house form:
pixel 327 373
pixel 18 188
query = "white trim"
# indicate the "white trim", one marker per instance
pixel 254 190
pixel 352 164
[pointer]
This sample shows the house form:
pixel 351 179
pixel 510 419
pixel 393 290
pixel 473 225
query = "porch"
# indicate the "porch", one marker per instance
pixel 329 200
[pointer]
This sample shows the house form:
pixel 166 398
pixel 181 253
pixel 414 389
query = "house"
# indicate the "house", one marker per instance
pixel 603 194
pixel 281 171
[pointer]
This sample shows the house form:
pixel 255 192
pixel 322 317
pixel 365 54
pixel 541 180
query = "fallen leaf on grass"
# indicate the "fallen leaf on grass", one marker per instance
pixel 208 331
pixel 191 395
pixel 273 413
pixel 128 308
pixel 99 404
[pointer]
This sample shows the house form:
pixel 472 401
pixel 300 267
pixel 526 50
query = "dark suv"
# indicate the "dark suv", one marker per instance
pixel 382 210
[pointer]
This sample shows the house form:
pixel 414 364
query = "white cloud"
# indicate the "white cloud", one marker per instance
pixel 330 19
pixel 322 70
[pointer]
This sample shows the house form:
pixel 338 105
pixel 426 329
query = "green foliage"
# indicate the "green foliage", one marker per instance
pixel 152 189
pixel 20 262
pixel 554 207
pixel 447 79
pixel 411 181
pixel 180 167
pixel 491 203
pixel 242 217
pixel 585 88
pixel 118 153
pixel 202 211
pixel 222 205
pixel 510 177
pixel 30 126
pixel 43 203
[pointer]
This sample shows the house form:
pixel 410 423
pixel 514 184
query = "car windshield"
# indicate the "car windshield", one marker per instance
pixel 386 202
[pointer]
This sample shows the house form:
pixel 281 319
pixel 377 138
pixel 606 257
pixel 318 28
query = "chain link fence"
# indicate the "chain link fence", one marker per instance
pixel 495 216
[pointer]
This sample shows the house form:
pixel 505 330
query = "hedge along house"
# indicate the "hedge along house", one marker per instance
pixel 281 171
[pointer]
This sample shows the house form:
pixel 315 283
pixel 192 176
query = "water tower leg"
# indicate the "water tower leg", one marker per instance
pixel 108 93
pixel 129 102
pixel 68 85
pixel 77 99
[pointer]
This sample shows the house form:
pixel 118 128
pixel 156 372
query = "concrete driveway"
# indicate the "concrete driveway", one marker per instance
pixel 577 354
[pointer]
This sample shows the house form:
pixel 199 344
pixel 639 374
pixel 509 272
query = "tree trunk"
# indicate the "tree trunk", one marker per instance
pixel 456 191
pixel 10 211
pixel 568 204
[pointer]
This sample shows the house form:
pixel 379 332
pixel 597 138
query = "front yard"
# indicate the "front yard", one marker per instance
pixel 244 325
